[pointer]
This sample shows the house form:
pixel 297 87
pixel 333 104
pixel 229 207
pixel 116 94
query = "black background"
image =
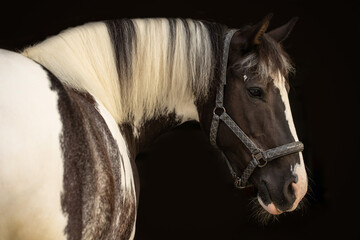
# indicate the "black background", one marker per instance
pixel 186 192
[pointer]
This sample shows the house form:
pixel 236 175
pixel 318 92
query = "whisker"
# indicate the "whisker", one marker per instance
pixel 259 214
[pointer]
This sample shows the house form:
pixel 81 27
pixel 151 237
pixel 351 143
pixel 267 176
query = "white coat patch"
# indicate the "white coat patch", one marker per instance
pixel 31 163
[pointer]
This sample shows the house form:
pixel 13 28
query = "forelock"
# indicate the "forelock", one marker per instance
pixel 267 60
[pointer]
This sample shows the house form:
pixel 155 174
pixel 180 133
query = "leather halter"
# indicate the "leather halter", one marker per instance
pixel 259 157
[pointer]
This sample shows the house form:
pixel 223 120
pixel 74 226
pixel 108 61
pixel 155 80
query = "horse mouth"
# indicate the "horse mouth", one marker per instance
pixel 270 208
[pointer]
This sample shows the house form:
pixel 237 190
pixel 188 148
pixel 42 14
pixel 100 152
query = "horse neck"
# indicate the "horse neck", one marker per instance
pixel 143 71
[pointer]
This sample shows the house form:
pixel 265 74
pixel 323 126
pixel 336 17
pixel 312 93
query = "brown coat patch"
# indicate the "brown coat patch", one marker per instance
pixel 96 203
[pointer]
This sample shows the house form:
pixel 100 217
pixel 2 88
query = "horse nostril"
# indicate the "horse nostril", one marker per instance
pixel 289 191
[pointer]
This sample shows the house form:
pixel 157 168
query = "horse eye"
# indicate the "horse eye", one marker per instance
pixel 256 92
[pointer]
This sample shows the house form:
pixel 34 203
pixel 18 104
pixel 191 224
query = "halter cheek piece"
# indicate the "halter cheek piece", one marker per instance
pixel 259 157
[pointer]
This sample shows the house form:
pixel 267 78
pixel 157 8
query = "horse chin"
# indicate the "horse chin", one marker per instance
pixel 266 214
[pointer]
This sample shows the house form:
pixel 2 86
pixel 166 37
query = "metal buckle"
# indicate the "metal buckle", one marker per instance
pixel 237 183
pixel 259 156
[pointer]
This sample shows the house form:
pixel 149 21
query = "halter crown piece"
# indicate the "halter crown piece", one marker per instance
pixel 259 157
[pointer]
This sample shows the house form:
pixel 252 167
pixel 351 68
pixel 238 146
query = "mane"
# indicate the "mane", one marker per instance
pixel 138 69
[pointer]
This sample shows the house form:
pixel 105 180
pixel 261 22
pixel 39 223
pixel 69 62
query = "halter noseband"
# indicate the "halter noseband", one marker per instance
pixel 259 157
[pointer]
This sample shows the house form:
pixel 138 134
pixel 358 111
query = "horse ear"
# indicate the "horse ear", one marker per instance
pixel 281 33
pixel 260 29
pixel 250 36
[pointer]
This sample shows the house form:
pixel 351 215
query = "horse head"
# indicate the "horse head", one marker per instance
pixel 254 117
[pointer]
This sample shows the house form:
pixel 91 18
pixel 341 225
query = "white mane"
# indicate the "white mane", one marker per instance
pixel 170 64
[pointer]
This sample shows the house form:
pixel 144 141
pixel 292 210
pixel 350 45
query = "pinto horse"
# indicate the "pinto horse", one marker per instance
pixel 77 108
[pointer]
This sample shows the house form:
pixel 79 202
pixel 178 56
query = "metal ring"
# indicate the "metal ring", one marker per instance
pixel 222 108
pixel 262 165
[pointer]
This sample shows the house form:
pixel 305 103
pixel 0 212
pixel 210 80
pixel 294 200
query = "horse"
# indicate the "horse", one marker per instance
pixel 78 107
